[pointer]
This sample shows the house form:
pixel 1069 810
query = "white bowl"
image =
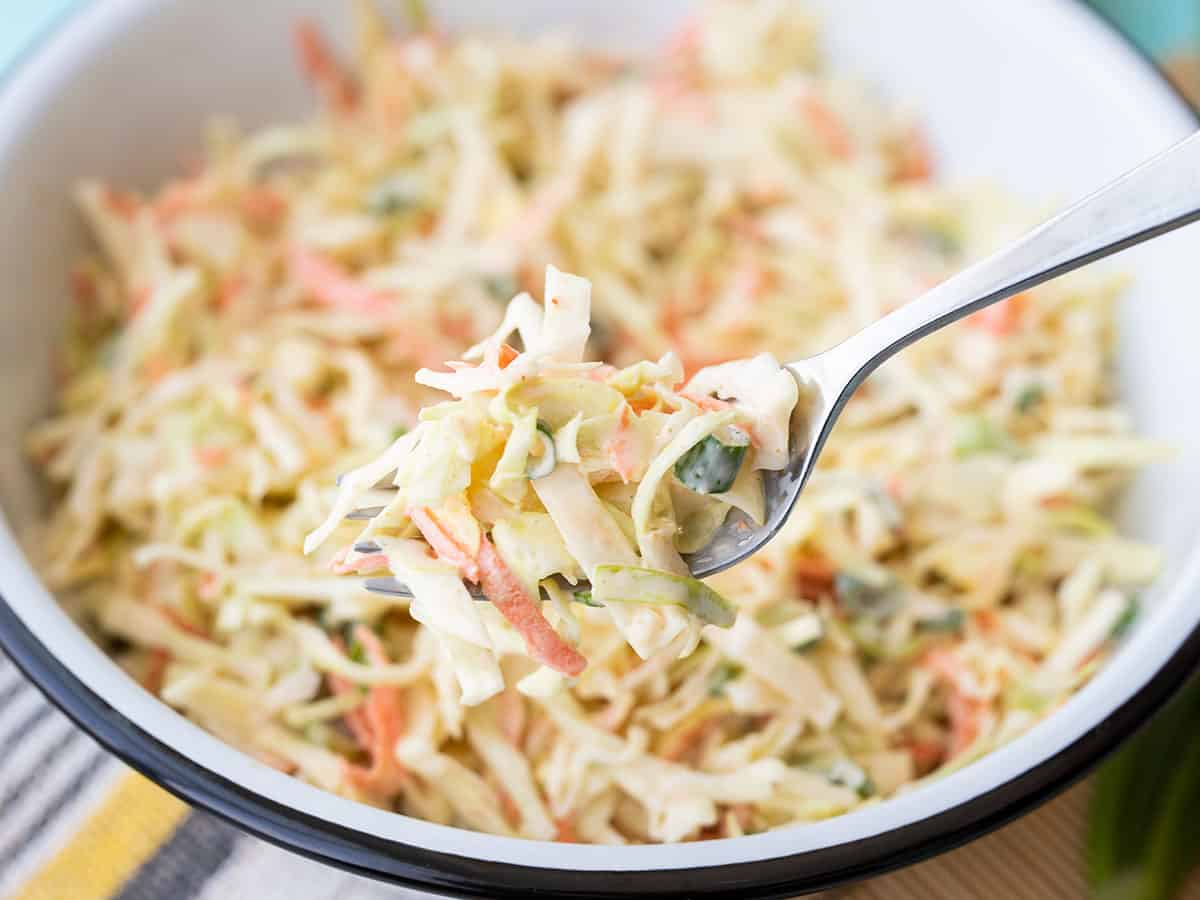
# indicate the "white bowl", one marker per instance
pixel 1041 96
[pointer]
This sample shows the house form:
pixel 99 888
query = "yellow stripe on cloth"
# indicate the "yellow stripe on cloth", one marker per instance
pixel 130 824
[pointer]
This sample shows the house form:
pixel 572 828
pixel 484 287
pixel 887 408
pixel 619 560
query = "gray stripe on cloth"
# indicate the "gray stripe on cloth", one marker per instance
pixel 52 808
pixel 183 865
pixel 26 728
pixel 13 687
pixel 15 791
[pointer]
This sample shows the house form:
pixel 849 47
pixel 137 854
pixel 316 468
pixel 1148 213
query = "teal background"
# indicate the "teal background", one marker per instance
pixel 1160 27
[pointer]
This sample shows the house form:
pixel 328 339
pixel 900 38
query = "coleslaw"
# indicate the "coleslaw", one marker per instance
pixel 250 331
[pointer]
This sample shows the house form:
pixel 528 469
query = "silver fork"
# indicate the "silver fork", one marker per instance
pixel 1158 196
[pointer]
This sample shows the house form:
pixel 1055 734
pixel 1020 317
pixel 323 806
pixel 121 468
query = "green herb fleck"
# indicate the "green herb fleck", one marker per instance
pixel 710 467
pixel 851 775
pixel 978 434
pixel 721 676
pixel 1125 622
pixel 951 621
pixel 393 196
pixel 872 595
pixel 1029 397
pixel 502 288
pixel 586 598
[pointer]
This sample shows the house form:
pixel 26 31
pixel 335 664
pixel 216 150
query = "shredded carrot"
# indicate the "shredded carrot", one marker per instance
pixel 179 621
pixel 83 286
pixel 275 761
pixel 121 203
pixel 139 298
pixel 510 599
pixel 355 719
pixel 600 373
pixel 328 282
pixel 1001 318
pixel 914 161
pixel 370 563
pixel 500 355
pixel 383 716
pixel 620 449
pixel 681 743
pixel 751 281
pixel 814 575
pixel 209 586
pixel 262 208
pixel 156 669
pixel 157 366
pixel 926 755
pixel 444 544
pixel 319 64
pixel 175 199
pixel 965 714
pixel 508 806
pixel 827 126
pixel 712 404
pixel 566 833
pixel 228 291
pixel 211 457
pixel 457 327
pixel 510 713
pixel 987 620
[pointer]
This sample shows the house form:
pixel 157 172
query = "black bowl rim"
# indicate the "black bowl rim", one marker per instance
pixel 420 868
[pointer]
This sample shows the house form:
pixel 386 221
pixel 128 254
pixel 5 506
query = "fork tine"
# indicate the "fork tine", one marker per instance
pixel 383 484
pixel 391 587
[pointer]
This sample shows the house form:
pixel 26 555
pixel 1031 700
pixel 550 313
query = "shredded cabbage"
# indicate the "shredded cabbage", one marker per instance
pixel 282 316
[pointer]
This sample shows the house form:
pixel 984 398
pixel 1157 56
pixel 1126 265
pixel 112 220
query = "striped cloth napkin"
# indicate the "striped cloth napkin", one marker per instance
pixel 75 824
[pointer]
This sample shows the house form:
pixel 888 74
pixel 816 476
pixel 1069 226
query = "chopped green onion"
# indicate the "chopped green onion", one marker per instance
pixel 851 775
pixel 871 594
pixel 394 195
pixel 502 288
pixel 978 434
pixel 543 464
pixel 710 467
pixel 721 676
pixel 1125 622
pixel 631 584
pixel 1030 396
pixel 586 598
pixel 941 241
pixel 951 621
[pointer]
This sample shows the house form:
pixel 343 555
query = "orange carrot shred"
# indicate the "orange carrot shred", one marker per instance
pixel 511 600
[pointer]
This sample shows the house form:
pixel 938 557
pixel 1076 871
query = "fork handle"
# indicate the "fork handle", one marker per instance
pixel 1158 196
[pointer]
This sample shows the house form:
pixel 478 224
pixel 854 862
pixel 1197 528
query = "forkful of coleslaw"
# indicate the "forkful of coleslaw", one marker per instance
pixel 548 478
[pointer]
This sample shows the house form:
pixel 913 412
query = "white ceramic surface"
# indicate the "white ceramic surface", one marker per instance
pixel 1038 95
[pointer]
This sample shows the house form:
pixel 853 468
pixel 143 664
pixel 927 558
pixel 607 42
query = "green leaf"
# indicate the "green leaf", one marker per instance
pixel 1133 811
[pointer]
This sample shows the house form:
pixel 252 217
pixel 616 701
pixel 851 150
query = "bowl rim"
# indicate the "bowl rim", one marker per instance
pixel 328 840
